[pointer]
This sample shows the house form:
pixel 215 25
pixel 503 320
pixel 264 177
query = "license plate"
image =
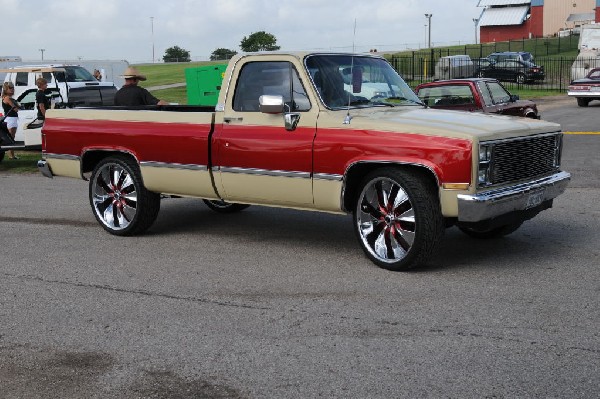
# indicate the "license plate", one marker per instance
pixel 534 199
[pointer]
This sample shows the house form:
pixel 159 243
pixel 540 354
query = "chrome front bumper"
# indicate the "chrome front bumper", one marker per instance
pixel 44 168
pixel 496 202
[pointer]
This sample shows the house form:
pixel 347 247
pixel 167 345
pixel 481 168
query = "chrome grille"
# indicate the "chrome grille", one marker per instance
pixel 524 158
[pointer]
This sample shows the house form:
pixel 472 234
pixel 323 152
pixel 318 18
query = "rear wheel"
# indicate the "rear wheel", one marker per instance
pixel 491 233
pixel 224 207
pixel 119 200
pixel 397 219
pixel 521 78
pixel 1 155
pixel 583 102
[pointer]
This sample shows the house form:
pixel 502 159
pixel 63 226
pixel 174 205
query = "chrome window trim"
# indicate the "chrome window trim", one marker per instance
pixel 328 176
pixel 265 172
pixel 67 157
pixel 180 166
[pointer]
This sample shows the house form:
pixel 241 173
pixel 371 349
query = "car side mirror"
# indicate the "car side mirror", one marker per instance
pixel 514 97
pixel 270 104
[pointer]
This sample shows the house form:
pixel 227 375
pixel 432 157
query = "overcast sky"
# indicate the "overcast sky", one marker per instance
pixel 125 29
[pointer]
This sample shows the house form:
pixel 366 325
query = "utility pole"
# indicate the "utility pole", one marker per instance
pixel 42 51
pixel 152 28
pixel 475 20
pixel 428 16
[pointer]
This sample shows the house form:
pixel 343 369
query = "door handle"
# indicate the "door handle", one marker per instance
pixel 229 119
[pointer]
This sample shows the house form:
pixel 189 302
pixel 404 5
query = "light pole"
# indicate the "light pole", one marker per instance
pixel 152 28
pixel 475 21
pixel 42 51
pixel 428 16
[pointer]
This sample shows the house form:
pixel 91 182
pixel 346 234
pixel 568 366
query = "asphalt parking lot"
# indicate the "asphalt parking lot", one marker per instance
pixel 274 303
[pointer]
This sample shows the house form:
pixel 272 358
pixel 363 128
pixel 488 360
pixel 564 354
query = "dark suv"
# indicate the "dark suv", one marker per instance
pixel 511 55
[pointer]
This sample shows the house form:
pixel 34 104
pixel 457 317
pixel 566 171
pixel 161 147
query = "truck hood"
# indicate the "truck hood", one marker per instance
pixel 437 122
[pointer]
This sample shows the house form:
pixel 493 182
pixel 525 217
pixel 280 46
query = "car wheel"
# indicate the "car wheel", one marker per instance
pixel 397 219
pixel 224 207
pixel 521 78
pixel 119 200
pixel 583 102
pixel 1 155
pixel 491 233
pixel 480 74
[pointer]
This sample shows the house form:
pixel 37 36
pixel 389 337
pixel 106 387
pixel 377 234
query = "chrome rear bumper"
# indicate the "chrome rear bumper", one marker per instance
pixel 44 168
pixel 496 202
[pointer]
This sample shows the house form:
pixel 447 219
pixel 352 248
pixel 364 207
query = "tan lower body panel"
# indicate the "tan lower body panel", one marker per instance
pixel 267 190
pixel 328 195
pixel 449 202
pixel 65 167
pixel 185 182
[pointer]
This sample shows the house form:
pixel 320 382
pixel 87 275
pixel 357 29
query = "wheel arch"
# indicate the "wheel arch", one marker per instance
pixel 356 173
pixel 92 157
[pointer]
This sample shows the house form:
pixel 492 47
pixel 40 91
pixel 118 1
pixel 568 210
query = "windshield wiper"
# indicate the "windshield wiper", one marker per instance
pixel 400 98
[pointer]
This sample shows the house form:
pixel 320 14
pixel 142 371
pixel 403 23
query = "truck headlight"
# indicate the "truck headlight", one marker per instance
pixel 485 160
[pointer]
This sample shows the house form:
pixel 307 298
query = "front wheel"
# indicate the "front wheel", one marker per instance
pixel 120 202
pixel 1 155
pixel 224 207
pixel 521 78
pixel 397 219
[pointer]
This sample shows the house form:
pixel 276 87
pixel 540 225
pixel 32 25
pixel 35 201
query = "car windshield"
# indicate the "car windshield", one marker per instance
pixel 358 81
pixel 75 74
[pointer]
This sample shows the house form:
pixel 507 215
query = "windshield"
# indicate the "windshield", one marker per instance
pixel 358 81
pixel 75 74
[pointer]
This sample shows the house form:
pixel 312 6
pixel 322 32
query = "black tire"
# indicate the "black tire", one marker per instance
pixel 491 233
pixel 119 200
pixel 583 102
pixel 397 219
pixel 521 78
pixel 1 155
pixel 481 74
pixel 224 207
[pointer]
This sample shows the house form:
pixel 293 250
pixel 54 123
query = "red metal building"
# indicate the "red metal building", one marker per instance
pixel 503 20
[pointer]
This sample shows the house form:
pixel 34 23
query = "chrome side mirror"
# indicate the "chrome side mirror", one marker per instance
pixel 271 104
pixel 274 105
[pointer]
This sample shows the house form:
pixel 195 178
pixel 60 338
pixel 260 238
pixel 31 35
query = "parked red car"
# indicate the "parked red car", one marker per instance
pixel 586 89
pixel 475 94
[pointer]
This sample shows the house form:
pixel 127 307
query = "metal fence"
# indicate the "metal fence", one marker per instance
pixel 420 66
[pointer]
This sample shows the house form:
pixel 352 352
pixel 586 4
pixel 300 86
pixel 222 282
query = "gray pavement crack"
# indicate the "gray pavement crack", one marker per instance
pixel 136 292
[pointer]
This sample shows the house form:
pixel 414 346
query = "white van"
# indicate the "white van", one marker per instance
pixel 454 66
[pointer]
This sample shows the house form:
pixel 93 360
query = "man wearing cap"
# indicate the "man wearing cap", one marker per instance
pixel 132 94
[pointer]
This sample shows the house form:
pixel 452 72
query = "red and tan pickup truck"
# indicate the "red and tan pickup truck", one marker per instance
pixel 338 133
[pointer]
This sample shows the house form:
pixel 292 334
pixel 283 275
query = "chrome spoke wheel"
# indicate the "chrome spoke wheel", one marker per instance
pixel 114 196
pixel 119 200
pixel 397 217
pixel 386 220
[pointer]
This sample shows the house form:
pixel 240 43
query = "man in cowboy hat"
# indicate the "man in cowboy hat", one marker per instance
pixel 132 94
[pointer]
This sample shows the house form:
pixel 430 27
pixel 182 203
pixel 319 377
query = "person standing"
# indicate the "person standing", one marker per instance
pixel 41 99
pixel 131 94
pixel 11 111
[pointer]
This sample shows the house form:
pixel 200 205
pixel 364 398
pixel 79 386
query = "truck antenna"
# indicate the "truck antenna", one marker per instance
pixel 348 118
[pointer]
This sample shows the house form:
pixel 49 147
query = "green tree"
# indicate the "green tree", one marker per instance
pixel 259 41
pixel 222 54
pixel 176 54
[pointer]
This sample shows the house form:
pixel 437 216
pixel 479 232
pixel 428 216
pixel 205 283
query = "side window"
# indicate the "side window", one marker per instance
pixel 47 76
pixel 269 78
pixel 499 95
pixel 485 94
pixel 22 79
pixel 447 96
